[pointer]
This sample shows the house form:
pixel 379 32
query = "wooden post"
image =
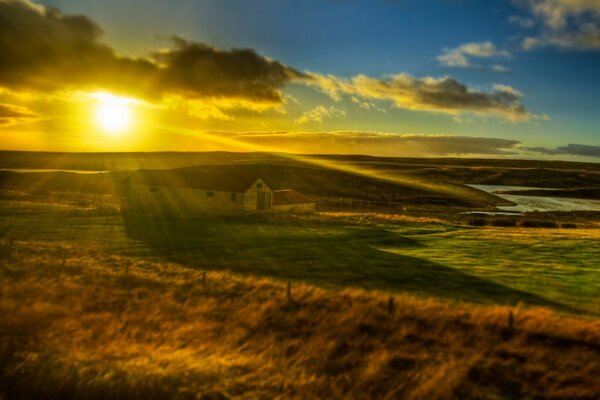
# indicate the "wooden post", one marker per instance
pixel 391 306
pixel 289 291
pixel 511 322
pixel 204 278
pixel 7 250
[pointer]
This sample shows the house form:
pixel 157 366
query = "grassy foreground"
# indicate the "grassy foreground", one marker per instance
pixel 78 323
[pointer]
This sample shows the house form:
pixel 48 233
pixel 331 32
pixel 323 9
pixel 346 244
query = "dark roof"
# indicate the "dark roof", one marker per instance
pixel 238 182
pixel 289 196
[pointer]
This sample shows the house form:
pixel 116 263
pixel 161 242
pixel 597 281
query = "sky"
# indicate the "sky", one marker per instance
pixel 494 78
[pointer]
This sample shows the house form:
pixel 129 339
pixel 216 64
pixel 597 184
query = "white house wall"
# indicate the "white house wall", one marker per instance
pixel 250 196
pixel 179 201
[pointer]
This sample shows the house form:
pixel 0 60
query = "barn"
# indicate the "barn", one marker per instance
pixel 193 193
pixel 205 193
pixel 289 200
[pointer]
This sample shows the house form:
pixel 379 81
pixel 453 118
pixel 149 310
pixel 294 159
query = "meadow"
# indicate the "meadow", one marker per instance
pixel 414 302
pixel 424 256
pixel 79 323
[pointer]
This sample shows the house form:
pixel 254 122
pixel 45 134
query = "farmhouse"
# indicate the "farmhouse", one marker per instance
pixel 203 193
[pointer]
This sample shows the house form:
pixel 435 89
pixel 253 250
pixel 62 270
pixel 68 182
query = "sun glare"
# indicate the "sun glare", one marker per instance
pixel 113 113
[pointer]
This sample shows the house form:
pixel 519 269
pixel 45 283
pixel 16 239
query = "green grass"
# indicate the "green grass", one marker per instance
pixel 553 268
pixel 556 264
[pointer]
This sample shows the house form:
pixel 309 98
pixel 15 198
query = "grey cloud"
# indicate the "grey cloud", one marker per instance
pixel 45 50
pixel 570 149
pixel 206 71
pixel 380 144
pixel 441 95
pixel 567 24
pixel 460 57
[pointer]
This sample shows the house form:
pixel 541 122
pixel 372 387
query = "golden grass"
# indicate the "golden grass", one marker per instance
pixel 78 323
pixel 380 217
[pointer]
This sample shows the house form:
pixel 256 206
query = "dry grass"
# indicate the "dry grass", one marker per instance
pixel 78 323
pixel 380 217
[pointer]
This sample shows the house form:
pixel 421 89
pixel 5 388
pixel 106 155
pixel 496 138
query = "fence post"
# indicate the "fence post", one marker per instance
pixel 511 322
pixel 289 291
pixel 203 278
pixel 6 250
pixel 391 306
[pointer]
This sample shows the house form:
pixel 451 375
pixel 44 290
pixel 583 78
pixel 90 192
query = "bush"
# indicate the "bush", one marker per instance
pixel 477 222
pixel 539 224
pixel 504 222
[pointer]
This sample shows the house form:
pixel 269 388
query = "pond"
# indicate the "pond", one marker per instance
pixel 538 203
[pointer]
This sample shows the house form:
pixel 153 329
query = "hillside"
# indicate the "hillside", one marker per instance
pixel 552 174
pixel 334 184
pixel 133 160
pixel 79 323
pixel 331 186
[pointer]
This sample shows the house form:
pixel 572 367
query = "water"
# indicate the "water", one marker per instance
pixel 538 203
pixel 503 188
pixel 77 171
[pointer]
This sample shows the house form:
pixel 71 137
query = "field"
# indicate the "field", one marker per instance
pixel 78 323
pixel 425 257
pixel 402 300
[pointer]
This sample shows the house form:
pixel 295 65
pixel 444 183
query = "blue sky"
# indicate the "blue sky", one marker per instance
pixel 557 78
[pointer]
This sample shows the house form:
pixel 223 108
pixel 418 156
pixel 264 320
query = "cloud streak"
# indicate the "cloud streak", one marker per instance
pixel 12 115
pixel 570 149
pixel 460 57
pixel 439 95
pixel 379 144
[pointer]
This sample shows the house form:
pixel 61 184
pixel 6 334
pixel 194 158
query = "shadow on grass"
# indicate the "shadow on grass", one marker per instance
pixel 320 253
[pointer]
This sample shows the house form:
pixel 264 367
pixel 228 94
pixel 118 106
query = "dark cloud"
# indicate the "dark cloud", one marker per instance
pixel 380 144
pixel 199 70
pixel 571 149
pixel 43 49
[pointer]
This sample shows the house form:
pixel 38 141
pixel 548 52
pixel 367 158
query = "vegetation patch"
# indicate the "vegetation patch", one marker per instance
pixel 77 323
pixel 477 222
pixel 538 224
pixel 504 222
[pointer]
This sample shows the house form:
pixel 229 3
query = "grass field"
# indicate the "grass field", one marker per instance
pixel 425 257
pixel 79 323
pixel 94 305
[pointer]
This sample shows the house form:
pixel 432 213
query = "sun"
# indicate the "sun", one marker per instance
pixel 114 114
